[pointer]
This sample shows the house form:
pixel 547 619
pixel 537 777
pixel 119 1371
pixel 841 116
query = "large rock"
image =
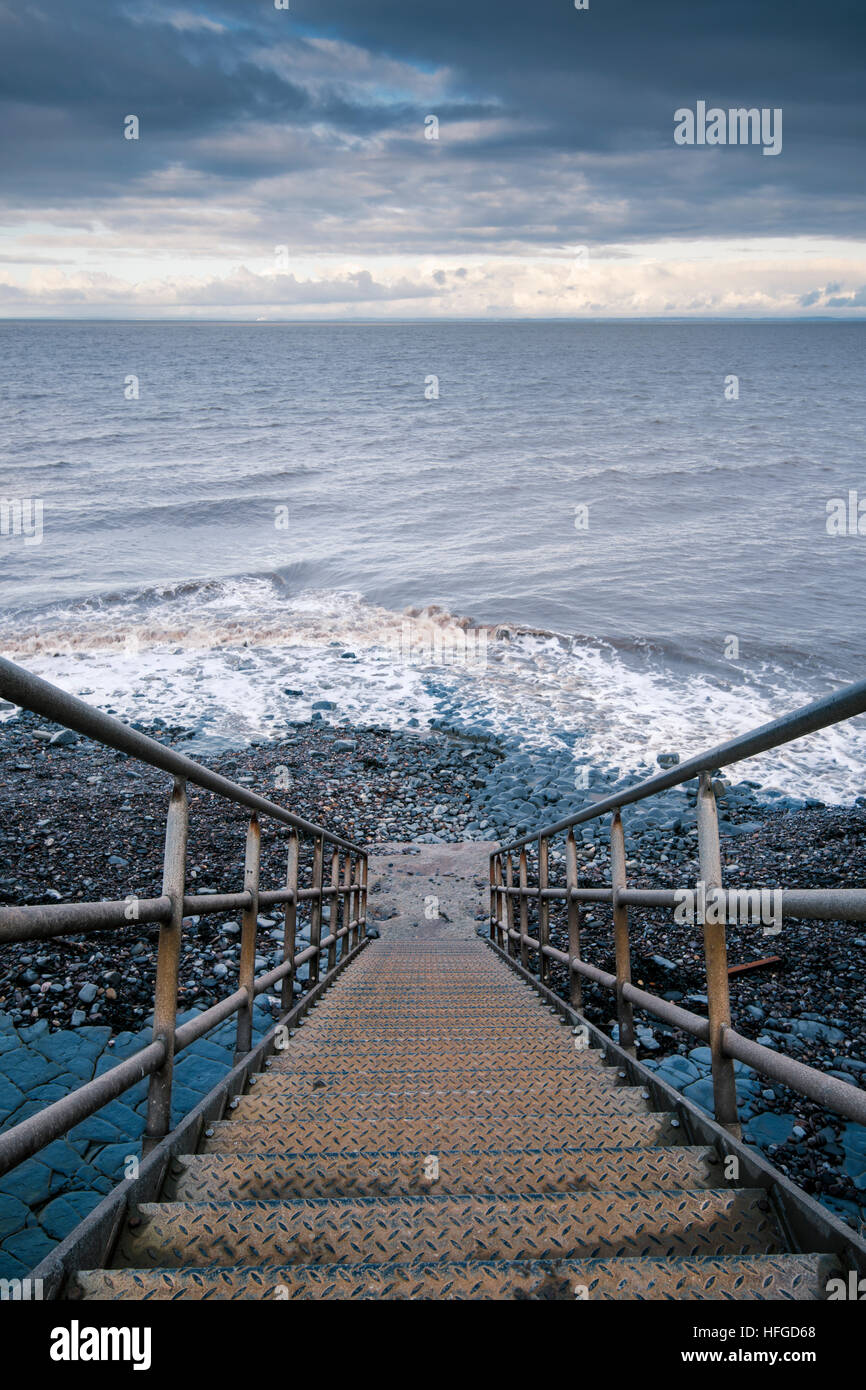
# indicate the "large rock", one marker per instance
pixel 63 1214
pixel 768 1128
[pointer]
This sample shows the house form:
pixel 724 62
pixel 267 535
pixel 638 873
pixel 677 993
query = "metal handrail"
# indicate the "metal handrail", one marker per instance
pixel 42 921
pixel 726 1045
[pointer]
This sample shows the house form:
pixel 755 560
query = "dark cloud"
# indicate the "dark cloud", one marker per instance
pixel 555 125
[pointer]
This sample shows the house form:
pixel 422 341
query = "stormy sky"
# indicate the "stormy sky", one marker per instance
pixel 284 167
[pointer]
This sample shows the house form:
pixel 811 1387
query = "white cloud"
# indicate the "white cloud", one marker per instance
pixel 784 280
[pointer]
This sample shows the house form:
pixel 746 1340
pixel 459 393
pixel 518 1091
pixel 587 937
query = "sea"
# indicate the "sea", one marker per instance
pixel 610 539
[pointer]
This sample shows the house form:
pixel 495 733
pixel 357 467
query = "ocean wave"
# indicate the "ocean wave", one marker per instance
pixel 224 655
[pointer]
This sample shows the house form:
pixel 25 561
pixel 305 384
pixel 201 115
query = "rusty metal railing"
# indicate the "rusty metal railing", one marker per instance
pixel 510 901
pixel 156 1060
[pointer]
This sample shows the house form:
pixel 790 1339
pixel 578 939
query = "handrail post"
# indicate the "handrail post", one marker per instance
pixel 543 910
pixel 249 926
pixel 362 897
pixel 496 898
pixel 167 964
pixel 352 940
pixel 346 918
pixel 571 879
pixel 290 920
pixel 716 956
pixel 625 1017
pixel 316 907
pixel 494 860
pixel 510 945
pixel 334 916
pixel 523 880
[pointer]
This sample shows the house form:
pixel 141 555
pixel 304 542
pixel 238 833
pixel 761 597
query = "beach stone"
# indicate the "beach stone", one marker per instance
pixel 29 1246
pixel 768 1128
pixel 817 1032
pixel 680 1068
pixel 663 963
pixel 199 1073
pixel 701 1093
pixel 95 1130
pixel 63 1213
pixel 30 1182
pixel 702 1057
pixel 64 738
pixel 13 1215
pixel 743 827
pixel 11 1097
pixel 62 1157
pixel 46 1095
pixel 28 1069
pixel 110 1160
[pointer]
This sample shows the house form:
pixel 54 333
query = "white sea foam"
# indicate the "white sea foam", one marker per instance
pixel 222 657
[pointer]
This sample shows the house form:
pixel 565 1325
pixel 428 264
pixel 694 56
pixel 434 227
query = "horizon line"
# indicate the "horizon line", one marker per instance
pixel 259 322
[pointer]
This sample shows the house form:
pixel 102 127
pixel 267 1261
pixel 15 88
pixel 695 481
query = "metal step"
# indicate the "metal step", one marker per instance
pixel 486 1049
pixel 240 1177
pixel 755 1277
pixel 306 1070
pixel 483 1033
pixel 273 1105
pixel 322 1135
pixel 597 1225
pixel 345 1086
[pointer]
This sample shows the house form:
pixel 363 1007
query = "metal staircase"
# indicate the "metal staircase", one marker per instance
pixel 433 1132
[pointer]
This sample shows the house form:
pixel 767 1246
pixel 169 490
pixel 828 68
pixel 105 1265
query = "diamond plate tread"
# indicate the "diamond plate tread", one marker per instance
pixel 489 1046
pixel 758 1278
pixel 411 997
pixel 465 1072
pixel 241 1177
pixel 406 1229
pixel 480 1029
pixel 349 1010
pixel 403 1089
pixel 373 1054
pixel 457 1132
pixel 378 1022
pixel 452 1045
pixel 417 1106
